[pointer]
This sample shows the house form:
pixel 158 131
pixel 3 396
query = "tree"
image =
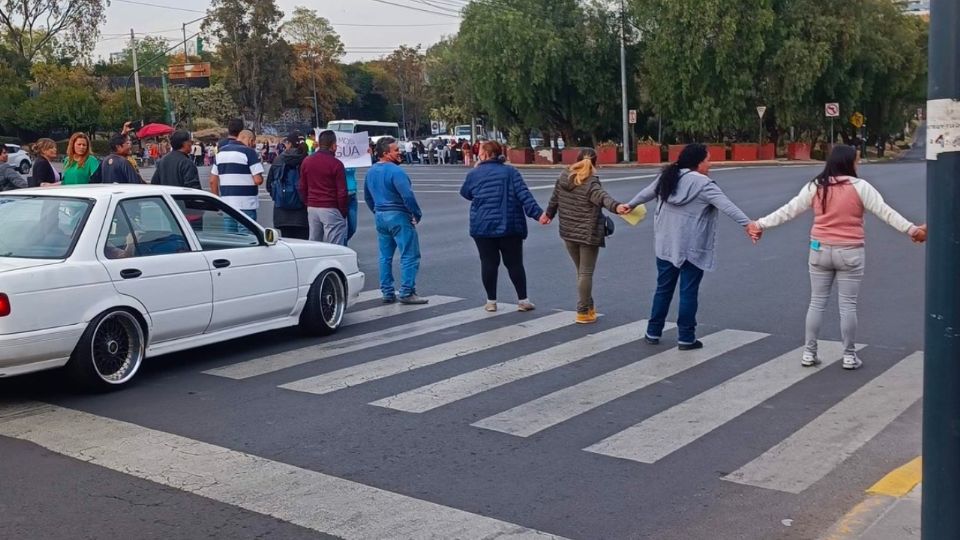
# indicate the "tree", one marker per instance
pixel 368 101
pixel 404 67
pixel 252 49
pixel 214 102
pixel 152 56
pixel 317 49
pixel 68 27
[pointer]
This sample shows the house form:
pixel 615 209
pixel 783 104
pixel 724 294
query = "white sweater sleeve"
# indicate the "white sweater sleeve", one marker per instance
pixel 798 205
pixel 873 202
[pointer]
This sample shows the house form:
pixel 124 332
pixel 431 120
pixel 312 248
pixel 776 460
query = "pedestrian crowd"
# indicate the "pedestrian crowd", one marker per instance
pixel 315 198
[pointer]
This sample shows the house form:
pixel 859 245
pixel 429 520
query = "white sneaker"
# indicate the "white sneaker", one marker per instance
pixel 809 360
pixel 525 305
pixel 490 307
pixel 851 362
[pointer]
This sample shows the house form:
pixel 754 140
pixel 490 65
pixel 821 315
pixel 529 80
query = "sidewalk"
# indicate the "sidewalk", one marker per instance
pixel 657 166
pixel 891 510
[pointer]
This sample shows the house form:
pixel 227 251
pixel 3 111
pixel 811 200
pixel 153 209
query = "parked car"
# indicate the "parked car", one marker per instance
pixel 18 158
pixel 98 277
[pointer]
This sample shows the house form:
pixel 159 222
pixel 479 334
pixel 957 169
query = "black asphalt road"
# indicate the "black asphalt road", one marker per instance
pixel 546 481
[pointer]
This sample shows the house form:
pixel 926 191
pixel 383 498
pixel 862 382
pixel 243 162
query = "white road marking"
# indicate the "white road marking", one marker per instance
pixel 305 355
pixel 386 367
pixel 388 310
pixel 447 391
pixel 303 497
pixel 562 405
pixel 808 455
pixel 665 433
pixel 372 294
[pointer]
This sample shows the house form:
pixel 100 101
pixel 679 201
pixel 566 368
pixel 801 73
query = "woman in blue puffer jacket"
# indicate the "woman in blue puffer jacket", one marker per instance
pixel 500 203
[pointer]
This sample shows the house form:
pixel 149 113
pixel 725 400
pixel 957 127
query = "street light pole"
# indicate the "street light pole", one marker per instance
pixel 941 400
pixel 136 69
pixel 316 108
pixel 623 81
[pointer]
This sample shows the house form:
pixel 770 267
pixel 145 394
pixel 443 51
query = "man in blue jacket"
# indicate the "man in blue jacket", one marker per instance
pixel 389 195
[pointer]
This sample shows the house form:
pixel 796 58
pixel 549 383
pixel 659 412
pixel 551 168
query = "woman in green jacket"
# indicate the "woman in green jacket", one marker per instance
pixel 80 167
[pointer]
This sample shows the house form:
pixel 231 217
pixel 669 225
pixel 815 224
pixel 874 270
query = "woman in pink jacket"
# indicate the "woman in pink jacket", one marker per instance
pixel 839 200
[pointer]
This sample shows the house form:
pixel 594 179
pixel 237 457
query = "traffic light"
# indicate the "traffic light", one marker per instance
pixel 199 45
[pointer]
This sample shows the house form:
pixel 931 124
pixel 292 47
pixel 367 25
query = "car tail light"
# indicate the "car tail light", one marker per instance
pixel 4 305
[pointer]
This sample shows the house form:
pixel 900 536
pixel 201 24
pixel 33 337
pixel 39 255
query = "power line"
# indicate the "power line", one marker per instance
pixel 394 4
pixel 159 6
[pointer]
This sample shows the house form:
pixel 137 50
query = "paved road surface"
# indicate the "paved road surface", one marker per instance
pixel 447 422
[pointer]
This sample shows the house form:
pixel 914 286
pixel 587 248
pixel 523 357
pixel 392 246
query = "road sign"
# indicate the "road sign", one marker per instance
pixel 857 120
pixel 434 127
pixel 761 110
pixel 832 110
pixel 633 116
pixel 198 70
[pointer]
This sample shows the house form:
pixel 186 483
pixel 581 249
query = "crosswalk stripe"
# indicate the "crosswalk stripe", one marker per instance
pixel 665 433
pixel 316 501
pixel 389 310
pixel 372 294
pixel 386 367
pixel 809 454
pixel 305 355
pixel 447 391
pixel 545 412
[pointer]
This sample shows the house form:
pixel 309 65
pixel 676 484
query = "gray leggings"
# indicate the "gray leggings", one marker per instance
pixel 845 266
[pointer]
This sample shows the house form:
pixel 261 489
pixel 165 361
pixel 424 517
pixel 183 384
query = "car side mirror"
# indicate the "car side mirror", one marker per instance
pixel 271 236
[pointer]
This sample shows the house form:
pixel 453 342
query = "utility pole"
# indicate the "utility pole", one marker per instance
pixel 136 70
pixel 316 108
pixel 623 80
pixel 186 60
pixel 941 400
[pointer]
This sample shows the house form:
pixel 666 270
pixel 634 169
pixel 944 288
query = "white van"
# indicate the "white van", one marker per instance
pixel 376 130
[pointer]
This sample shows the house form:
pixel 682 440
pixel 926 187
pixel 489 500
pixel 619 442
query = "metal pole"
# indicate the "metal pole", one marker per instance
pixel 403 107
pixel 316 108
pixel 941 400
pixel 136 70
pixel 623 81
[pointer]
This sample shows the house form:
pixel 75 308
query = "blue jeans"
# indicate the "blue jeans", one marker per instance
pixel 689 277
pixel 230 225
pixel 396 230
pixel 352 216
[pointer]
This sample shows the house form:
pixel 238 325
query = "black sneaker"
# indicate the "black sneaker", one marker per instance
pixel 412 300
pixel 690 346
pixel 389 299
pixel 651 340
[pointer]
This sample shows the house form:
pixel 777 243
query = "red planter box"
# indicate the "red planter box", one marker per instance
pixel 798 151
pixel 648 154
pixel 520 156
pixel 718 152
pixel 673 152
pixel 569 155
pixel 768 152
pixel 608 155
pixel 546 156
pixel 746 152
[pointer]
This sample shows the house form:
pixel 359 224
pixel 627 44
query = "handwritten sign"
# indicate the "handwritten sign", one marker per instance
pixel 353 149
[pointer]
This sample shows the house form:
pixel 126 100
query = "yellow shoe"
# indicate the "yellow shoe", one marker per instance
pixel 592 312
pixel 586 318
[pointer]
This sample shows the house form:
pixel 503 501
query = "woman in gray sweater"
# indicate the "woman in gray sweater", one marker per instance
pixel 685 229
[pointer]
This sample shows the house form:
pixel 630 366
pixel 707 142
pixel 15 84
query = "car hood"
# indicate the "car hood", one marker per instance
pixel 9 264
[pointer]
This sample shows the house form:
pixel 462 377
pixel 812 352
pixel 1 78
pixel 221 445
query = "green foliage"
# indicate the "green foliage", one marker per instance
pixel 48 29
pixel 317 50
pixel 213 102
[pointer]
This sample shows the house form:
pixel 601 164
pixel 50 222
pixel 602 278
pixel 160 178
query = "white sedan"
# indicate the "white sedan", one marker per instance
pixel 97 277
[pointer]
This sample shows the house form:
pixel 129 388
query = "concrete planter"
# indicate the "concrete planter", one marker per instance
pixel 768 151
pixel 608 155
pixel 648 153
pixel 718 152
pixel 569 155
pixel 745 152
pixel 546 156
pixel 798 151
pixel 520 156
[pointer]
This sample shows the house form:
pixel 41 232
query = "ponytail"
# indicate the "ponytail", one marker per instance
pixel 585 167
pixel 690 158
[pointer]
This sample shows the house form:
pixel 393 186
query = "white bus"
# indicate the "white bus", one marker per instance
pixel 376 130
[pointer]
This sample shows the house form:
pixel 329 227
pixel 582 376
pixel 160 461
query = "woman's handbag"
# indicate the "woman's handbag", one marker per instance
pixel 608 226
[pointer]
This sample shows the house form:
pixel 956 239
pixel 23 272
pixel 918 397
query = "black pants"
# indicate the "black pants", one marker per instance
pixel 511 249
pixel 301 233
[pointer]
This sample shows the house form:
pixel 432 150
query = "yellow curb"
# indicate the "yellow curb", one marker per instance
pixel 900 481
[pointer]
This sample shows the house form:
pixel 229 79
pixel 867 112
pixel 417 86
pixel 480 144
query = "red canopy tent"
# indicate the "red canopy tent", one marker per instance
pixel 154 130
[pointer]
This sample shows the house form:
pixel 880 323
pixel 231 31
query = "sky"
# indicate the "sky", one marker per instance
pixel 369 29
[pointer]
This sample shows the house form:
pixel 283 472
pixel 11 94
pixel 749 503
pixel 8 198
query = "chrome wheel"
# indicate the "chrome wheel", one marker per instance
pixel 333 299
pixel 24 167
pixel 117 347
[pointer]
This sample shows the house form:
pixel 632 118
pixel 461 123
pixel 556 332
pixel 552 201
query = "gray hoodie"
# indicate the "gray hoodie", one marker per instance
pixel 10 178
pixel 685 225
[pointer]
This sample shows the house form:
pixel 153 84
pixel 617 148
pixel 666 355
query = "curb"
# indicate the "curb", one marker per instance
pixel 881 498
pixel 657 166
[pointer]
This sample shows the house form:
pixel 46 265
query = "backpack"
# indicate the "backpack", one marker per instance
pixel 283 188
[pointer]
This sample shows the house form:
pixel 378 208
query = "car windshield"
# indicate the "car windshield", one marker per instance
pixel 37 227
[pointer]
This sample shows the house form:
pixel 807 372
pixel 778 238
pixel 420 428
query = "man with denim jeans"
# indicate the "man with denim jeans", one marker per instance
pixel 389 195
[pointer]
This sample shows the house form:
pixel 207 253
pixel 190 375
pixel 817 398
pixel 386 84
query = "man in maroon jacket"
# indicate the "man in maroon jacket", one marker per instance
pixel 323 188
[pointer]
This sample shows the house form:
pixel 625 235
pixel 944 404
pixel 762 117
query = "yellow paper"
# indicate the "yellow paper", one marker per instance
pixel 638 214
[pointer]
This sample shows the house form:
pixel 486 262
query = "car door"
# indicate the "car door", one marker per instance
pixel 252 281
pixel 149 258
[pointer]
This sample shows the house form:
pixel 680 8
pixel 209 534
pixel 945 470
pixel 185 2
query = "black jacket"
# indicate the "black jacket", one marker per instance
pixel 176 169
pixel 283 217
pixel 42 172
pixel 115 169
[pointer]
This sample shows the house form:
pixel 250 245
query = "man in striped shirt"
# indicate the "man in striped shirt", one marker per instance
pixel 237 174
